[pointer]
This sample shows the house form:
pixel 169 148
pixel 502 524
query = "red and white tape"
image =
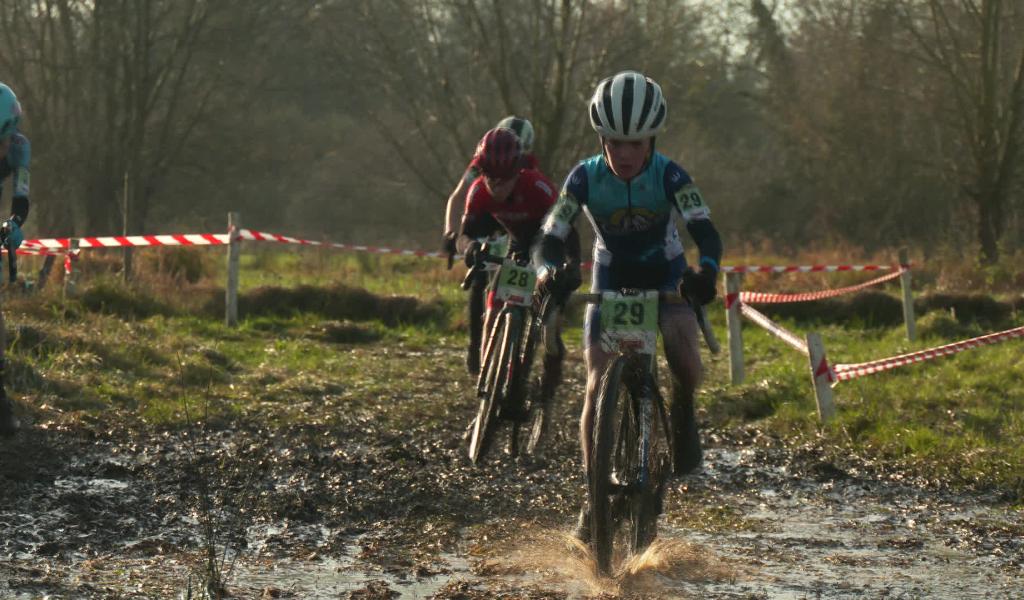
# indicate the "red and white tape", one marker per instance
pixel 121 241
pixel 262 236
pixel 851 371
pixel 207 239
pixel 779 331
pixel 804 268
pixel 770 298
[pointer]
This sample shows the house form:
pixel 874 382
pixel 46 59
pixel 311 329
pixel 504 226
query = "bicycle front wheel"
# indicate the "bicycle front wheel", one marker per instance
pixel 612 429
pixel 501 353
pixel 650 463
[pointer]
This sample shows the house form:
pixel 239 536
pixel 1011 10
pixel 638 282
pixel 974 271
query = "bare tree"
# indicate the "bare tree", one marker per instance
pixel 116 88
pixel 444 71
pixel 979 49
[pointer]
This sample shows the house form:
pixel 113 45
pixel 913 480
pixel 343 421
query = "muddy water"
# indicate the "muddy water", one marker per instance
pixel 365 507
pixel 800 538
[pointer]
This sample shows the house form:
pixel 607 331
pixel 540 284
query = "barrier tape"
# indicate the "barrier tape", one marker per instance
pixel 262 236
pixel 785 335
pixel 852 371
pixel 804 268
pixel 770 298
pixel 121 241
pixel 56 245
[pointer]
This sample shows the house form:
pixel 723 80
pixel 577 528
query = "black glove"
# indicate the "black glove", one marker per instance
pixel 563 282
pixel 448 247
pixel 700 285
pixel 448 243
pixel 474 249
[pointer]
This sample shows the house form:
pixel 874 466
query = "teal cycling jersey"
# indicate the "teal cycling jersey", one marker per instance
pixel 16 165
pixel 632 219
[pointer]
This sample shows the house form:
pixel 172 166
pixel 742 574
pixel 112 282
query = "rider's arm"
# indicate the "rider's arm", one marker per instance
pixel 558 224
pixel 19 157
pixel 477 221
pixel 455 200
pixel 696 214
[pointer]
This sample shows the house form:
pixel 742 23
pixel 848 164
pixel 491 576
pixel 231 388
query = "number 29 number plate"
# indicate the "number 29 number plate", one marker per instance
pixel 629 323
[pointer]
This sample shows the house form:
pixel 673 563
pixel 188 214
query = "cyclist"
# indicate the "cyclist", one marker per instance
pixel 14 160
pixel 515 198
pixel 524 130
pixel 629 192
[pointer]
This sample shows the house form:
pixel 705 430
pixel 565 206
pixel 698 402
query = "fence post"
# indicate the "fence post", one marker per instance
pixel 70 277
pixel 231 290
pixel 821 377
pixel 908 297
pixel 732 320
pixel 127 256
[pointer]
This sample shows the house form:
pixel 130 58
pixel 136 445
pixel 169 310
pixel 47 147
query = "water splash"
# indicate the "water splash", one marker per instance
pixel 552 559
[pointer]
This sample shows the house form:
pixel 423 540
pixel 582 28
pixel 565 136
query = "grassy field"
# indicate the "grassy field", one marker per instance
pixel 323 323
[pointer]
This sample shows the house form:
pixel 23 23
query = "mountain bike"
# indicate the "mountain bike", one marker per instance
pixel 631 457
pixel 504 391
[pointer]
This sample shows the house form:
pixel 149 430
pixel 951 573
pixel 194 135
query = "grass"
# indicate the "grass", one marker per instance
pixel 320 326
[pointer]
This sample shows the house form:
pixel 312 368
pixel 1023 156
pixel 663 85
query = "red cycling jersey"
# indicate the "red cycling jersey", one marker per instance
pixel 521 214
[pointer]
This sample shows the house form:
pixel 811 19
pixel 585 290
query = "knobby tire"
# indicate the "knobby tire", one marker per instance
pixel 486 418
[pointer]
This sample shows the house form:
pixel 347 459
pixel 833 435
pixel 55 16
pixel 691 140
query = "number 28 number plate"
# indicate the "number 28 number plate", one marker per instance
pixel 629 323
pixel 515 284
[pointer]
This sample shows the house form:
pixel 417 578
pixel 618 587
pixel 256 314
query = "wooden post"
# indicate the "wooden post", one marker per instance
pixel 908 296
pixel 70 279
pixel 44 272
pixel 733 321
pixel 821 377
pixel 127 262
pixel 231 291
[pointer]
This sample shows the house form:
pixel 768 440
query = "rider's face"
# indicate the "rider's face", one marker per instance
pixel 500 188
pixel 626 157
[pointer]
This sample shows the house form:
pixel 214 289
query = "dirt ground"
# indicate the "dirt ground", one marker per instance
pixel 377 500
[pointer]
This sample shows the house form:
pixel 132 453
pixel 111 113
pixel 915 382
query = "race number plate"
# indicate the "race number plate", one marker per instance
pixel 498 248
pixel 515 284
pixel 629 323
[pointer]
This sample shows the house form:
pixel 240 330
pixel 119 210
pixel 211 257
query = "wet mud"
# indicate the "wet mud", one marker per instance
pixel 375 499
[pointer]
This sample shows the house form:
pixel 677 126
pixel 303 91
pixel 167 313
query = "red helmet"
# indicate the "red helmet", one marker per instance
pixel 499 153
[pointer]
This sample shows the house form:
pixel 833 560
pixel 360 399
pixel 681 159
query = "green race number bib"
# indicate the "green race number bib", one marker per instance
pixel 515 284
pixel 629 323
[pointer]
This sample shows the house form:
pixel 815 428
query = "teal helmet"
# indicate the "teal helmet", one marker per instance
pixel 522 128
pixel 10 112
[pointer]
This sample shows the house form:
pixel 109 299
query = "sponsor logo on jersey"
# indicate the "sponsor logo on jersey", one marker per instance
pixel 629 220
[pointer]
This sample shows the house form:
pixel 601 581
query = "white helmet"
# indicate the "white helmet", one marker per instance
pixel 522 128
pixel 628 106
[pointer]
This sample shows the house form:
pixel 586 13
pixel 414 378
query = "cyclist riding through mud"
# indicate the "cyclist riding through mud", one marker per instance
pixel 516 199
pixel 456 201
pixel 15 154
pixel 629 193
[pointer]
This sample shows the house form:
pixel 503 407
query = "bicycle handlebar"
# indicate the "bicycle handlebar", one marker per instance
pixel 480 261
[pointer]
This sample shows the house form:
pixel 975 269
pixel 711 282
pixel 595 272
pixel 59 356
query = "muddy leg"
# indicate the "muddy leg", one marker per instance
pixel 8 422
pixel 680 333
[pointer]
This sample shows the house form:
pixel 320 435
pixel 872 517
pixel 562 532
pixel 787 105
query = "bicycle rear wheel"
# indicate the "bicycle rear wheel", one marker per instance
pixel 526 391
